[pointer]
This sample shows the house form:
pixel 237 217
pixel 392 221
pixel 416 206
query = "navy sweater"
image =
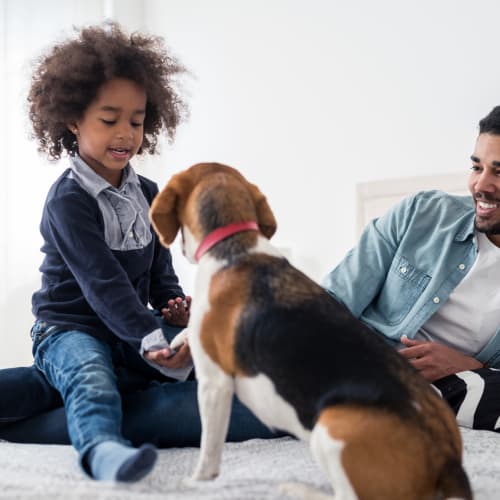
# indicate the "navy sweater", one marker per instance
pixel 86 286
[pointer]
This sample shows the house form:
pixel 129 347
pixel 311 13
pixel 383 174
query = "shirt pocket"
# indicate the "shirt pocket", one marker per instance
pixel 402 288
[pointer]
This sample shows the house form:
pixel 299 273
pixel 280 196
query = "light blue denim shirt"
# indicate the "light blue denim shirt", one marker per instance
pixel 406 265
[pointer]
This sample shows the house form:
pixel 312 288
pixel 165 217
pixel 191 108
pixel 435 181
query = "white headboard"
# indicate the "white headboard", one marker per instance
pixel 376 197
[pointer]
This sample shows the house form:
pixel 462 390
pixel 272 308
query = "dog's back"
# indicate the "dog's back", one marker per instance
pixel 344 383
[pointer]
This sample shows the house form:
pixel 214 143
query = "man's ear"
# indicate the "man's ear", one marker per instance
pixel 163 215
pixel 265 216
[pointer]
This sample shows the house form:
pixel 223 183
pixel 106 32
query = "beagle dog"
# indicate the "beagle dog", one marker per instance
pixel 261 329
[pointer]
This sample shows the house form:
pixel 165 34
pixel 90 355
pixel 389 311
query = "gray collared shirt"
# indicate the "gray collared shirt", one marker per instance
pixel 124 209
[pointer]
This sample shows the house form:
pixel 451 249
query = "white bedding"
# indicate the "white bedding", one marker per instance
pixel 251 470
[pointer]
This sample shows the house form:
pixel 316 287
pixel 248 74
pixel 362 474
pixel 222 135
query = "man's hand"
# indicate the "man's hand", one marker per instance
pixel 434 360
pixel 177 311
pixel 164 357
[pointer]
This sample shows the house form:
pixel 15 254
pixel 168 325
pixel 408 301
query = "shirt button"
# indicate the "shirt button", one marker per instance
pixel 403 270
pixel 436 300
pixel 461 267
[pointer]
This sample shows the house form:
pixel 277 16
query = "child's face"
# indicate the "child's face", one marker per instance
pixel 111 130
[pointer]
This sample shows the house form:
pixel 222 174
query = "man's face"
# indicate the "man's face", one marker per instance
pixel 484 185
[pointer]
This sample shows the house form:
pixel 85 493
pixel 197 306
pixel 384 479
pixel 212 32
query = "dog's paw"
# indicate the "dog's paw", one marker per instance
pixel 179 339
pixel 303 491
pixel 193 481
pixel 204 474
pixel 189 483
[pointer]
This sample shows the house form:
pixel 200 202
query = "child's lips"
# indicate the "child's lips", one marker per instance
pixel 120 153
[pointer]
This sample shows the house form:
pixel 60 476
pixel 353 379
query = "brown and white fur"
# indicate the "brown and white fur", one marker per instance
pixel 297 358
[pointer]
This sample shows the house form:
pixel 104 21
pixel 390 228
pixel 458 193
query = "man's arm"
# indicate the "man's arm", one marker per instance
pixel 357 280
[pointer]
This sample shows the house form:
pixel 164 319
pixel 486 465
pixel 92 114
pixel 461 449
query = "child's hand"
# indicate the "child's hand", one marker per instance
pixel 164 357
pixel 177 311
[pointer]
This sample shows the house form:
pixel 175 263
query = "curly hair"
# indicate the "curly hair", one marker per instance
pixel 67 79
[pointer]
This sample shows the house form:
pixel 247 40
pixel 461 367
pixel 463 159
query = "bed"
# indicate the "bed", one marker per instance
pixel 252 470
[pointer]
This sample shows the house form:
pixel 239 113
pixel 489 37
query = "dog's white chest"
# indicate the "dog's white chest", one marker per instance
pixel 259 394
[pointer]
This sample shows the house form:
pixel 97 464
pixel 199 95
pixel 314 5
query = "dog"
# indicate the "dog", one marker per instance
pixel 301 362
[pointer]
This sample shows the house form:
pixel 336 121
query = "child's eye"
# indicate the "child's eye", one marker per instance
pixel 475 168
pixel 108 122
pixel 134 124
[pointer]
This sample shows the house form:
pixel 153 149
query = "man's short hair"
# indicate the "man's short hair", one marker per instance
pixel 490 124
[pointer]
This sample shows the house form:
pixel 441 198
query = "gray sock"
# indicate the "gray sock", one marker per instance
pixel 113 461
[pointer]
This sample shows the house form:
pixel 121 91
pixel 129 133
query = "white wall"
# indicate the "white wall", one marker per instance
pixel 310 97
pixel 306 97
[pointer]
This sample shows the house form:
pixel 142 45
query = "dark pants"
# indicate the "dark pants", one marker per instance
pixel 474 396
pixel 163 413
pixel 166 413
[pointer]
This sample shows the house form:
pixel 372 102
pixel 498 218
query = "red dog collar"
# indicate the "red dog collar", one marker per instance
pixel 221 233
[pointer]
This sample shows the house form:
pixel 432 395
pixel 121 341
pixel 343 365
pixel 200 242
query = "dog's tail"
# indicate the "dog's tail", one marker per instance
pixel 453 482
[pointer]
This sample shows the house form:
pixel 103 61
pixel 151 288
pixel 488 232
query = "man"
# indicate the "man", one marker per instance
pixel 426 275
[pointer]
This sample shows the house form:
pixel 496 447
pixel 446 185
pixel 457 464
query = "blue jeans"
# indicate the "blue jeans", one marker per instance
pixel 81 368
pixel 155 409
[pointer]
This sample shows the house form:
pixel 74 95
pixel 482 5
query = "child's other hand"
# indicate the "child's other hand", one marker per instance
pixel 177 311
pixel 164 357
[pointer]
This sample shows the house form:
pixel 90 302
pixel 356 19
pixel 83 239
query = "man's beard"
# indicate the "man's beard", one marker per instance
pixel 487 227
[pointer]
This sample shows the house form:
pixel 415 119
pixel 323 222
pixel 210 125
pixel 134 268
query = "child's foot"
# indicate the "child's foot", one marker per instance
pixel 112 461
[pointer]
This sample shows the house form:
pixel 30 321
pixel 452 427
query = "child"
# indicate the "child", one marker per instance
pixel 102 98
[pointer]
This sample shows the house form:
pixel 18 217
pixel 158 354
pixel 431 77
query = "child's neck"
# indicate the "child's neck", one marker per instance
pixel 114 178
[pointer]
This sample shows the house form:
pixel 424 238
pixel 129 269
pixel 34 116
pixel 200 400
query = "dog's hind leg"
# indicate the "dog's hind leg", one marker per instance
pixel 215 393
pixel 327 452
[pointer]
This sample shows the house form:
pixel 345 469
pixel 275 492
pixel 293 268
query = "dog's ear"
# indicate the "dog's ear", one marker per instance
pixel 265 216
pixel 163 215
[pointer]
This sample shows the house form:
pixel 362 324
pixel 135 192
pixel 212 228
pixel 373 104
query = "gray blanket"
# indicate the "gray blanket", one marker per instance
pixel 252 470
